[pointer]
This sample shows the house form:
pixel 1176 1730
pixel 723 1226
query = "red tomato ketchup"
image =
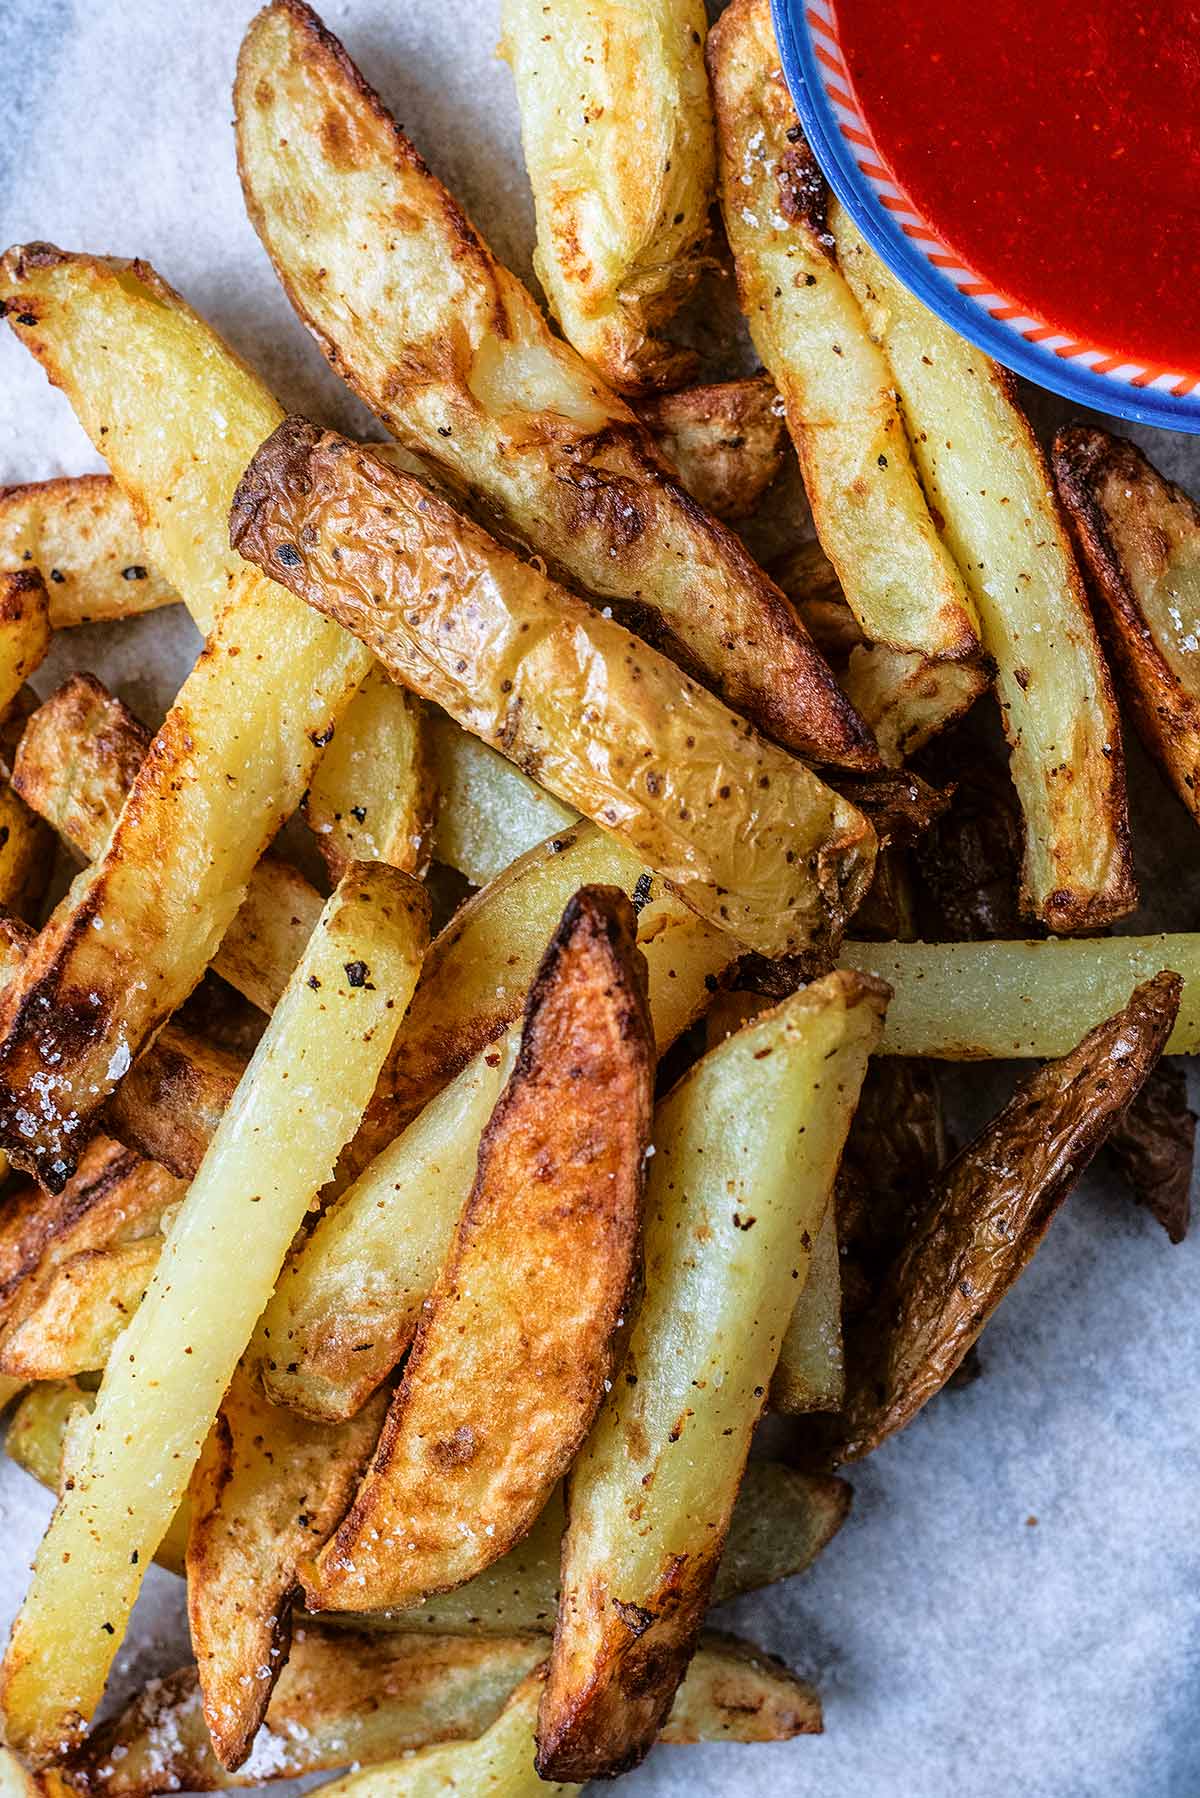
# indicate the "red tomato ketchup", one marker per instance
pixel 1055 147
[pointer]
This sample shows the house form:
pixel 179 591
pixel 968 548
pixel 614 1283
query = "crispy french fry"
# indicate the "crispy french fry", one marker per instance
pixel 26 856
pixel 371 797
pixel 77 760
pixel 452 353
pixel 364 1698
pixel 984 472
pixel 169 1104
pixel 82 1309
pixel 866 499
pixel 973 1001
pixel 488 812
pixel 1140 540
pixel 749 837
pixel 37 1440
pixel 346 1306
pixel 725 440
pixel 24 627
pixel 987 1214
pixel 810 581
pixel 747 1148
pixel 616 125
pixel 781 1522
pixel 477 973
pixel 268 1486
pixel 80 531
pixel 531 1295
pixel 300 1100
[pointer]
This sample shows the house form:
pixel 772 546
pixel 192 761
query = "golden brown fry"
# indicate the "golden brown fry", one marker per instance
pixel 26 856
pixel 532 1291
pixel 750 838
pixel 372 796
pixel 349 1696
pixel 616 125
pixel 82 1308
pixel 725 441
pixel 1139 536
pixel 268 1487
pixel 746 1150
pixel 838 390
pixel 170 1102
pixel 452 353
pixel 80 531
pixel 987 1214
pixel 78 757
pixel 985 474
pixel 24 628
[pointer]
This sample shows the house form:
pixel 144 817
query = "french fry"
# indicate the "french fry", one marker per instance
pixel 747 1148
pixel 811 1372
pixel 867 503
pixel 499 1762
pixel 17 1781
pixel 477 973
pixel 974 1001
pixel 26 856
pixel 488 812
pixel 24 628
pixel 725 441
pixel 81 533
pixel 37 1440
pixel 267 1487
pixel 616 125
pixel 452 353
pixel 347 1304
pixel 371 797
pixel 531 1294
pixel 1139 536
pixel 986 476
pixel 80 1313
pixel 781 1522
pixel 987 1214
pixel 169 1104
pixel 79 756
pixel 748 836
pixel 277 1143
pixel 364 1698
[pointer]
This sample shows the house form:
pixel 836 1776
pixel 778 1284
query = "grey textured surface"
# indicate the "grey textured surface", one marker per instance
pixel 961 1646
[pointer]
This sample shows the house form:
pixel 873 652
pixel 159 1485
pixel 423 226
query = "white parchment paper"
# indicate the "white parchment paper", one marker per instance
pixel 1011 1611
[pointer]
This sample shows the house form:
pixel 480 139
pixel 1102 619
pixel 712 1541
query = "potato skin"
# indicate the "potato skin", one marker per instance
pixel 988 1212
pixel 749 837
pixel 617 129
pixel 453 354
pixel 515 1344
pixel 1131 525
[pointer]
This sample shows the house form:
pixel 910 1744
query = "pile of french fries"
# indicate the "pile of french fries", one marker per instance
pixel 406 1257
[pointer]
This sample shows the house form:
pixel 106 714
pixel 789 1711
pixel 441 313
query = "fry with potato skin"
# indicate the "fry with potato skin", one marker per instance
pixel 80 531
pixel 299 1101
pixel 268 1486
pixel 750 838
pixel 532 1291
pixel 616 125
pixel 452 353
pixel 24 629
pixel 725 440
pixel 985 474
pixel 77 760
pixel 987 1214
pixel 746 1150
pixel 900 580
pixel 366 1697
pixel 1139 538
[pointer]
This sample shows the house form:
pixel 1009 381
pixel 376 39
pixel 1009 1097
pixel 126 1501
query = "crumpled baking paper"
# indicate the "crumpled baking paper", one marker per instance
pixel 1011 1611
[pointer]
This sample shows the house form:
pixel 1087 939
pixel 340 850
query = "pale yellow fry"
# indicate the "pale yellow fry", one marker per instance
pixel 971 1001
pixel 984 471
pixel 488 812
pixel 297 1105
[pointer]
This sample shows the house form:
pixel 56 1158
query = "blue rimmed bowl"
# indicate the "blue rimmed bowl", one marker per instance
pixel 1087 372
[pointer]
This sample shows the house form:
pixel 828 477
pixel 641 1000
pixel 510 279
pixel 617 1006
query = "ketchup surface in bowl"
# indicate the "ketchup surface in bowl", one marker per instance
pixel 1055 147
